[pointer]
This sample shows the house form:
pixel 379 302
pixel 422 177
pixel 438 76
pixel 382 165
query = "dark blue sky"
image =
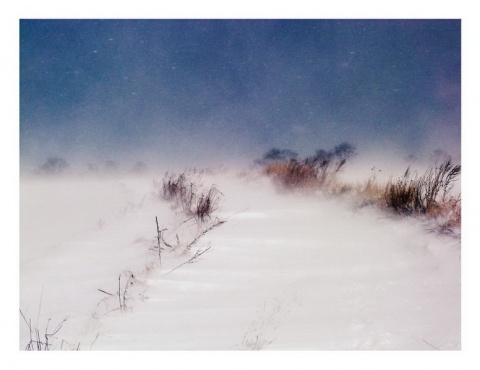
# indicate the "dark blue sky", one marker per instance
pixel 218 89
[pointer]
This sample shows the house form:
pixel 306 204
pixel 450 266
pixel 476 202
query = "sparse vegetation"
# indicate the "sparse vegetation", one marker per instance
pixel 43 341
pixel 293 174
pixel 317 171
pixel 207 204
pixel 54 166
pixel 277 155
pixel 159 241
pixel 139 168
pixel 261 331
pixel 182 191
pixel 188 196
pixel 426 194
pixel 372 191
pixel 410 194
pixel 117 301
pixel 122 293
pixel 193 259
pixel 202 233
pixel 178 246
pixel 172 186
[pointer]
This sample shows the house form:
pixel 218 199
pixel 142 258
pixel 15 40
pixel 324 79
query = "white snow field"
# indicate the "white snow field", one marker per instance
pixel 286 271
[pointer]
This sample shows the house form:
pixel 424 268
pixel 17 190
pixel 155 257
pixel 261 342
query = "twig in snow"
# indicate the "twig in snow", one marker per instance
pixel 123 303
pixel 159 238
pixel 40 304
pixel 91 345
pixel 36 342
pixel 191 260
pixel 218 223
pixel 105 292
pixel 431 345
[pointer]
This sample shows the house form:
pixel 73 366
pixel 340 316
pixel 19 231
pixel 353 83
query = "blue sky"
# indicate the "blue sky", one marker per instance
pixel 220 90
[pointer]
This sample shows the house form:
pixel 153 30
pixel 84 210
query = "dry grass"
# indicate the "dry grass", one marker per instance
pixel 308 174
pixel 315 172
pixel 426 194
pixel 405 194
pixel 207 204
pixel 173 186
pixel 371 190
pixel 453 212
pixel 293 174
pixel 42 341
pixel 410 194
pixel 188 196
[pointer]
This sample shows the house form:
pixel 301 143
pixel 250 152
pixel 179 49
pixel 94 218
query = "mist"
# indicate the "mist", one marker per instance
pixel 223 92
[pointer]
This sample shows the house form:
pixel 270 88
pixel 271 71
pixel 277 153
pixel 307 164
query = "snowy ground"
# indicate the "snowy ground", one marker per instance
pixel 285 272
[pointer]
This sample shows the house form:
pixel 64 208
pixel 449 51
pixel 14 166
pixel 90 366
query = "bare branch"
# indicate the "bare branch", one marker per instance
pixel 191 260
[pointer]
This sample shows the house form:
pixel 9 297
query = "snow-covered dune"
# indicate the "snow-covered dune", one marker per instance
pixel 285 271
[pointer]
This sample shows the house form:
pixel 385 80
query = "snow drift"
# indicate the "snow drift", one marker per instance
pixel 286 271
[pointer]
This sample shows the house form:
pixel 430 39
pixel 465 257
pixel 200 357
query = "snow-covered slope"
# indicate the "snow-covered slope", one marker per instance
pixel 286 271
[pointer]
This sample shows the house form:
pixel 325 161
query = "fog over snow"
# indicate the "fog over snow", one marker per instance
pixel 108 107
pixel 302 271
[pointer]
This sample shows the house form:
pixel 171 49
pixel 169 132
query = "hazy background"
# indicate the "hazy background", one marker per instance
pixel 210 92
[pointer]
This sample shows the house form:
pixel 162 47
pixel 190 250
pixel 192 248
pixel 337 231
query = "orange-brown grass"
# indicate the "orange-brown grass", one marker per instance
pixel 293 174
pixel 371 192
pixel 424 194
pixel 448 214
pixel 307 174
pixel 410 194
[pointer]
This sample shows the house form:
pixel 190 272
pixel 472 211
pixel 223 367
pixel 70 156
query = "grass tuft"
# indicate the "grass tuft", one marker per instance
pixel 207 204
pixel 315 172
pixel 43 340
pixel 410 194
pixel 187 196
pixel 307 174
pixel 427 194
pixel 292 174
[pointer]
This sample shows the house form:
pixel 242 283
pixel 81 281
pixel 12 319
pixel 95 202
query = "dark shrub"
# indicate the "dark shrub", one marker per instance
pixel 54 166
pixel 277 155
pixel 139 167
